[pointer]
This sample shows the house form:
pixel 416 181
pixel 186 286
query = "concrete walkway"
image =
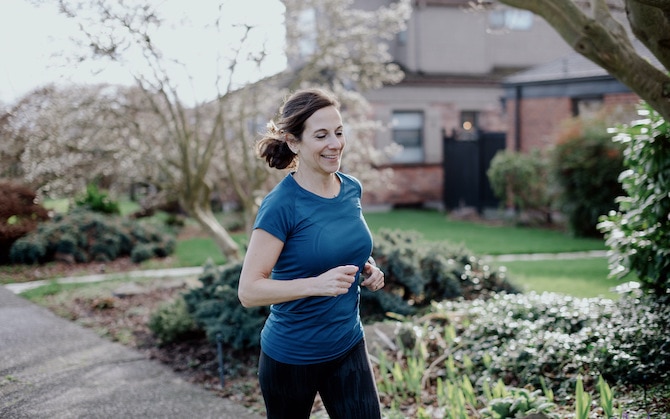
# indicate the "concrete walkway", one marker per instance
pixel 53 368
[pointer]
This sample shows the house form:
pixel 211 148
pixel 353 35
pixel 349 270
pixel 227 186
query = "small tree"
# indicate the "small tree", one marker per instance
pixel 520 180
pixel 638 232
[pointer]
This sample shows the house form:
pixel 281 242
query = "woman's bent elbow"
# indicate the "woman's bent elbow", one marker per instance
pixel 244 299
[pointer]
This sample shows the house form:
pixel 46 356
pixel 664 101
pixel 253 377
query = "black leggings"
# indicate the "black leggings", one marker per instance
pixel 346 385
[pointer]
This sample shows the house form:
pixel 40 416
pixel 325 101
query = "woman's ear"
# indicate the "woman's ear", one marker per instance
pixel 292 143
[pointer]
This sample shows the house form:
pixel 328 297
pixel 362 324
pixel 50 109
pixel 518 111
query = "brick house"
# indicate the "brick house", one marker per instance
pixel 538 100
pixel 455 60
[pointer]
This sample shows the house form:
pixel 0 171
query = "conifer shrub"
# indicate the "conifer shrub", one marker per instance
pixel 84 236
pixel 418 273
pixel 20 213
pixel 216 308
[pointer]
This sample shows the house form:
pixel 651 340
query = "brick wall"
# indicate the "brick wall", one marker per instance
pixel 540 118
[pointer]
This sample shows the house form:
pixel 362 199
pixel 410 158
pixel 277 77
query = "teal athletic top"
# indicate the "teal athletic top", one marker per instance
pixel 318 234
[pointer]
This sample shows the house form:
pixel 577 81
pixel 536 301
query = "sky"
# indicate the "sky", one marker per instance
pixel 34 41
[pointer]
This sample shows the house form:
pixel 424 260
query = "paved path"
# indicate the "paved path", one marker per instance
pixel 53 368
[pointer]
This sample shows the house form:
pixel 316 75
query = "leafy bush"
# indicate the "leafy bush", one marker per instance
pixel 586 164
pixel 522 338
pixel 96 200
pixel 521 180
pixel 172 321
pixel 19 215
pixel 638 232
pixel 217 309
pixel 419 272
pixel 82 236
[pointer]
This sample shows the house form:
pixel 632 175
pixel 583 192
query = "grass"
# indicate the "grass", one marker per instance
pixel 482 239
pixel 584 278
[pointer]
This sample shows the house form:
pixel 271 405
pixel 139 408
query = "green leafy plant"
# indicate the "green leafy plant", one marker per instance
pixel 582 401
pixel 172 321
pixel 586 164
pixel 638 232
pixel 96 200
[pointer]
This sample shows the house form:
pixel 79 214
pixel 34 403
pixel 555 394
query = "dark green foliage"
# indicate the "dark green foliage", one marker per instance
pixel 522 338
pixel 19 214
pixel 98 201
pixel 82 236
pixel 172 322
pixel 217 309
pixel 586 165
pixel 419 272
pixel 639 232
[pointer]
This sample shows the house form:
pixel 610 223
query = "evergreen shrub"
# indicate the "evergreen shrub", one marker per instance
pixel 418 273
pixel 216 308
pixel 586 164
pixel 83 236
pixel 19 215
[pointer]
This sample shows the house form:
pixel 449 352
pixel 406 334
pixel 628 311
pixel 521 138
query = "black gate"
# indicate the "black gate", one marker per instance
pixel 465 164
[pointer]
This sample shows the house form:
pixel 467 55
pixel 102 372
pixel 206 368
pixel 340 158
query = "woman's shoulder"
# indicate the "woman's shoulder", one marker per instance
pixel 351 180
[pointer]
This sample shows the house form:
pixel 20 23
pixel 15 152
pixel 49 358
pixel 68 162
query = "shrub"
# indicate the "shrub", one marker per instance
pixel 586 164
pixel 97 201
pixel 638 232
pixel 418 273
pixel 521 180
pixel 19 215
pixel 524 339
pixel 172 322
pixel 217 309
pixel 83 236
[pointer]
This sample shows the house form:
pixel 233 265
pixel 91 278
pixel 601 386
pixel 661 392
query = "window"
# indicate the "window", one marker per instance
pixel 408 132
pixel 587 107
pixel 510 19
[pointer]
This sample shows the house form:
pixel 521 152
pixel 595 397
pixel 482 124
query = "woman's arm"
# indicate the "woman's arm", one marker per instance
pixel 256 288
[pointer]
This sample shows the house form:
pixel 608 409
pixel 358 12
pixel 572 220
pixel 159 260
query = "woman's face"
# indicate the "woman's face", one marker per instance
pixel 322 142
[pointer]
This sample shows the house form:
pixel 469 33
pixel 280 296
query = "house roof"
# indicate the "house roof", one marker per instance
pixel 570 67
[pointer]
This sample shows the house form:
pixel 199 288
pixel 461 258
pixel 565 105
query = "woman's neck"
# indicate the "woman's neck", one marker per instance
pixel 327 186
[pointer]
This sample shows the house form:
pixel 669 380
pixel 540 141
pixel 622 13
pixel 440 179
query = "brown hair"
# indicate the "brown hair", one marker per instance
pixel 297 108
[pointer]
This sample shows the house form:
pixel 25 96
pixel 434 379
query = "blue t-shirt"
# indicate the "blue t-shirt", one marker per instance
pixel 318 234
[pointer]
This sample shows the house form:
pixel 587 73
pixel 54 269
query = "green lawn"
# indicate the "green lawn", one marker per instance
pixel 585 278
pixel 481 238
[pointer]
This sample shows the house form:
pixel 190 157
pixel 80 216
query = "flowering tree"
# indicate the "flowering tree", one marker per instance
pixel 192 147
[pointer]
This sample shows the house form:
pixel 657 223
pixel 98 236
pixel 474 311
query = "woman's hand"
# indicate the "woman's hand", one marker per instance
pixel 374 277
pixel 336 281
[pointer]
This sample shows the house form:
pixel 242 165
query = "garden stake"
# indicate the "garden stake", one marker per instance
pixel 219 352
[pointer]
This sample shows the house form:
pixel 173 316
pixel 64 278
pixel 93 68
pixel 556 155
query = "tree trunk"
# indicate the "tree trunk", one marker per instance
pixel 205 217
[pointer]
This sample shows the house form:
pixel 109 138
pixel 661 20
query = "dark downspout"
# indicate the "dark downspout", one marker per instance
pixel 517 119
